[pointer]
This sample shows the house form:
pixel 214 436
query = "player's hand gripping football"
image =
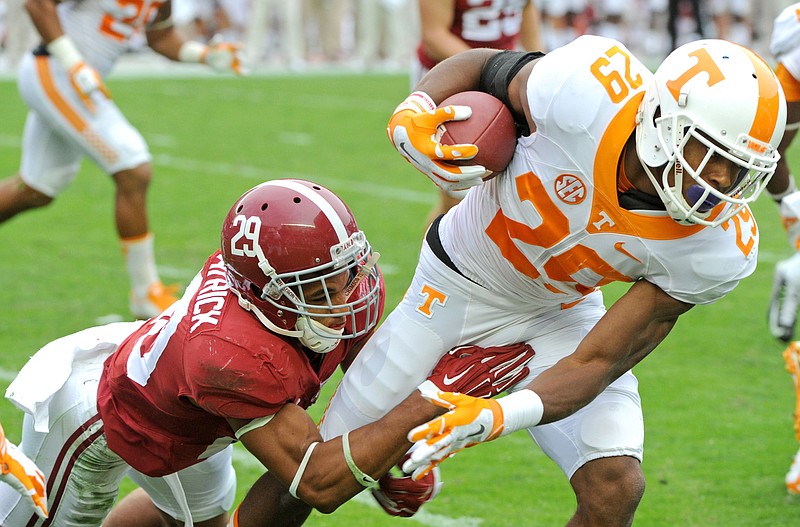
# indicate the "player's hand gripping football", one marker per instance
pixel 226 56
pixel 415 132
pixel 785 299
pixel 481 372
pixel 401 495
pixel 23 475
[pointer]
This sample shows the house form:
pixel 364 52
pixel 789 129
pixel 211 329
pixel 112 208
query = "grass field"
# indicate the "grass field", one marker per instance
pixel 717 401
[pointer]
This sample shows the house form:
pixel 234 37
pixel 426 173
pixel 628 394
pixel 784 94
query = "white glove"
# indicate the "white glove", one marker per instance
pixel 23 475
pixel 220 56
pixel 226 56
pixel 415 132
pixel 84 78
pixel 785 298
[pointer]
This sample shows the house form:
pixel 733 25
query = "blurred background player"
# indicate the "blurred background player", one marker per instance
pixel 72 115
pixel 679 11
pixel 785 297
pixel 448 27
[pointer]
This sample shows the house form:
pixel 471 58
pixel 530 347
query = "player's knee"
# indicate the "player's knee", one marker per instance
pixel 608 491
pixel 134 180
pixel 26 197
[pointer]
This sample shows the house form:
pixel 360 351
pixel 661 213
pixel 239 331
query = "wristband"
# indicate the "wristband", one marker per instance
pixel 522 409
pixel 63 49
pixel 364 479
pixel 192 51
pixel 300 470
pixel 418 102
pixel 778 196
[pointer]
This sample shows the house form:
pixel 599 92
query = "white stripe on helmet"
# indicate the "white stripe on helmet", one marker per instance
pixel 319 201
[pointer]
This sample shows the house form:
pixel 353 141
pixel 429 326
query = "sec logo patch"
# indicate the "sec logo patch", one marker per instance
pixel 570 189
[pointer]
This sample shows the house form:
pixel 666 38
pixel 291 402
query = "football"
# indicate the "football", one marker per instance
pixel 491 128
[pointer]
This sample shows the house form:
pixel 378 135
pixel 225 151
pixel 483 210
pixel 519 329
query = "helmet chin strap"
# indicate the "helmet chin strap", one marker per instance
pixel 317 337
pixel 247 305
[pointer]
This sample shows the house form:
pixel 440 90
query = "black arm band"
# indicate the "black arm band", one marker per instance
pixel 497 74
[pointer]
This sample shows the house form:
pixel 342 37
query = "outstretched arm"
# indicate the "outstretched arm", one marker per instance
pixel 163 38
pixel 627 333
pixel 325 474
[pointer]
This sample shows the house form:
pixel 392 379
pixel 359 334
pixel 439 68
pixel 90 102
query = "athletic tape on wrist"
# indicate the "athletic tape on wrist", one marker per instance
pixel 522 409
pixel 364 479
pixel 63 49
pixel 302 468
pixel 192 51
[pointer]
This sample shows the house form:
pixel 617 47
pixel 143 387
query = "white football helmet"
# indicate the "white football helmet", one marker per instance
pixel 726 97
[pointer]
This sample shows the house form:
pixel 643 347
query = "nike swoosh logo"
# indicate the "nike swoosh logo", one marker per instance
pixel 405 152
pixel 619 247
pixel 479 432
pixel 450 380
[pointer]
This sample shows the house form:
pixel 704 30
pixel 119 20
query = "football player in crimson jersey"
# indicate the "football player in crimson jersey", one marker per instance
pixel 448 27
pixel 622 175
pixel 293 294
pixel 72 115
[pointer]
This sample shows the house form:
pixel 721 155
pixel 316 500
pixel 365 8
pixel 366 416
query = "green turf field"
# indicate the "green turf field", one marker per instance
pixel 717 401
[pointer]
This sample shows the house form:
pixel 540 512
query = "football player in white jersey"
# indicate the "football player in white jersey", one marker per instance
pixel 622 175
pixel 72 115
pixel 785 297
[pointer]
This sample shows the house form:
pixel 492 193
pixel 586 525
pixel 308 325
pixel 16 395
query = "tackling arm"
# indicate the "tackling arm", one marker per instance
pixel 327 481
pixel 326 474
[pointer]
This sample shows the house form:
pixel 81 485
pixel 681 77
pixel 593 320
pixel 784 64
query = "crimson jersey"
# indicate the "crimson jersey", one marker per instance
pixel 166 393
pixel 483 24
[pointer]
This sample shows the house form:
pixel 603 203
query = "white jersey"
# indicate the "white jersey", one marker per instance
pixel 550 229
pixel 785 46
pixel 101 29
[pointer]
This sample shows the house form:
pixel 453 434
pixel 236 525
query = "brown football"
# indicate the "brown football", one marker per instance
pixel 491 127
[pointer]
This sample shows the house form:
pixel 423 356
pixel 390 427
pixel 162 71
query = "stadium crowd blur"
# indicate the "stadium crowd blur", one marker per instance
pixel 381 35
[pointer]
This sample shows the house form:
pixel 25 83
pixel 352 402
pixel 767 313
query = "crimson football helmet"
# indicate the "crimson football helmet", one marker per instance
pixel 285 234
pixel 726 97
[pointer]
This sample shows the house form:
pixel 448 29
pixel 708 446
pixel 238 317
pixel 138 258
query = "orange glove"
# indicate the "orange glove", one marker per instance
pixel 469 421
pixel 23 475
pixel 415 132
